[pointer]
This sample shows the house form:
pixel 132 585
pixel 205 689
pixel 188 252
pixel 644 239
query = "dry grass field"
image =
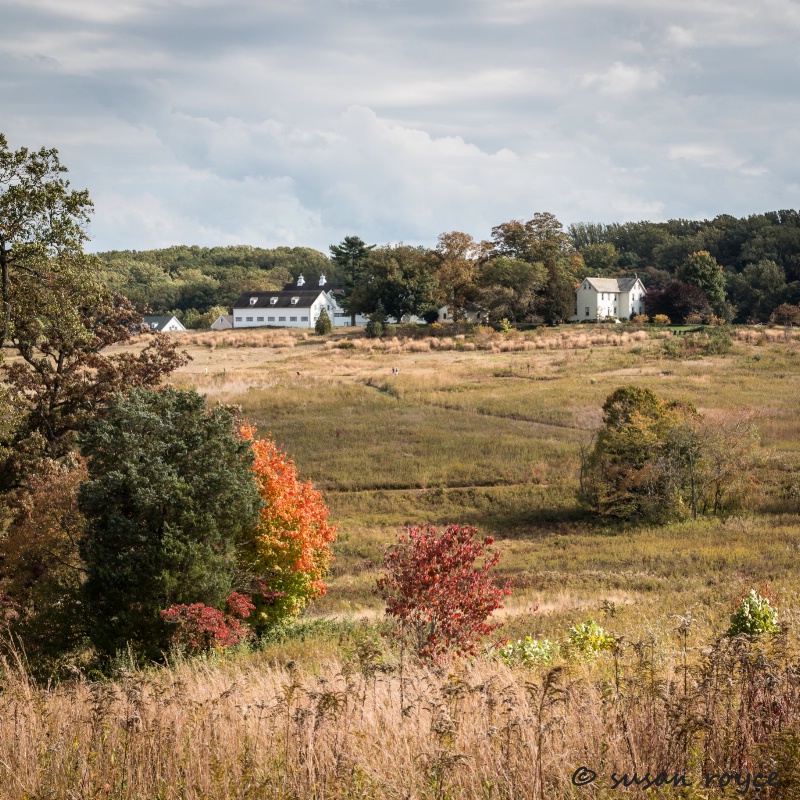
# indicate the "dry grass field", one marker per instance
pixel 491 437
pixel 482 429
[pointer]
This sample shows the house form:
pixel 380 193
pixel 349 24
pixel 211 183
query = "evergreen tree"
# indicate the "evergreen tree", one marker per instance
pixel 376 326
pixel 323 324
pixel 350 256
pixel 168 498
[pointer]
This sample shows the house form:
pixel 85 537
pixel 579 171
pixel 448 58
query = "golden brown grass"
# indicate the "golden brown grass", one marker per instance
pixel 483 429
pixel 367 726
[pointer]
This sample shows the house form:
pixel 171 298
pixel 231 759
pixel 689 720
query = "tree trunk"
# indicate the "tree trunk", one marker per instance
pixel 6 324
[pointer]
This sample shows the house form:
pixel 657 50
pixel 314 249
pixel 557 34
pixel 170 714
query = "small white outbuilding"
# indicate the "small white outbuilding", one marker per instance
pixel 164 323
pixel 224 322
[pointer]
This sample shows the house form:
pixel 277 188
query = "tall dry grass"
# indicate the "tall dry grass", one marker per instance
pixel 262 337
pixel 486 339
pixel 365 728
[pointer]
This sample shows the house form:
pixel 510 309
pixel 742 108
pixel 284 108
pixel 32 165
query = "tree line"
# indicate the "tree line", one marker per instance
pixel 736 270
pixel 759 256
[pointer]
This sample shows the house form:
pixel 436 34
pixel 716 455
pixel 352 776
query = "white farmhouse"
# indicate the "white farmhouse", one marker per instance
pixel 296 306
pixel 601 298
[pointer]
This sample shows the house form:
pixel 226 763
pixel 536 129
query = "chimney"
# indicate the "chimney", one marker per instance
pixel 301 280
pixel 321 280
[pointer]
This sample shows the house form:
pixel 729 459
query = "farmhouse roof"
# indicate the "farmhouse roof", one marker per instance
pixel 612 284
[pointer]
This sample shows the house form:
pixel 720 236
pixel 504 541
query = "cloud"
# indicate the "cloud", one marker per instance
pixel 299 122
pixel 624 79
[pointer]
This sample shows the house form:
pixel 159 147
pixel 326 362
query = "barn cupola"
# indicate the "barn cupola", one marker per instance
pixel 301 281
pixel 322 280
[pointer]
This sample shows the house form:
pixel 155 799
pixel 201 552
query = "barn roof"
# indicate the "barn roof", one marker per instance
pixel 305 298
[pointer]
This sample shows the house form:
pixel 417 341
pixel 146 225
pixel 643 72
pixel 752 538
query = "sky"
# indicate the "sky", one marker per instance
pixel 299 122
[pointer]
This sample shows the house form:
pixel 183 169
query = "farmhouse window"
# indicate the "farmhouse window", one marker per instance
pixel 292 319
pixel 270 319
pixel 238 319
pixel 587 311
pixel 249 319
pixel 253 301
pixel 303 319
pixel 273 301
pixel 259 319
pixel 295 301
pixel 281 319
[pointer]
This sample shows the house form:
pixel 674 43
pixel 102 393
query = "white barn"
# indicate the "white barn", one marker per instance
pixel 295 306
pixel 603 298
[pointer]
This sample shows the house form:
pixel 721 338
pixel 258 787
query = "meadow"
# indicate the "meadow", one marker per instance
pixel 480 428
pixel 491 437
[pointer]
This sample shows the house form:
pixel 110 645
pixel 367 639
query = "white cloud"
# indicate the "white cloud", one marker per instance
pixel 622 79
pixel 716 157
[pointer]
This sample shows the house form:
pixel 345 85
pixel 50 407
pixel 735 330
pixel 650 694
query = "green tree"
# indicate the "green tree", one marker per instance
pixel 558 299
pixel 350 256
pixel 323 324
pixel 39 215
pixel 662 460
pixel 542 241
pixel 401 278
pixel 376 326
pixel 600 259
pixel 168 499
pixel 629 473
pixel 701 270
pixel 756 291
pixel 40 566
pixel 509 287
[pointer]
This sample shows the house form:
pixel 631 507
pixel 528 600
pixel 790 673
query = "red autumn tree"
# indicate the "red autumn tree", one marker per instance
pixel 200 627
pixel 289 551
pixel 438 587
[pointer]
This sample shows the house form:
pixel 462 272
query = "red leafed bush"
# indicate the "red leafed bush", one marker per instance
pixel 201 627
pixel 438 587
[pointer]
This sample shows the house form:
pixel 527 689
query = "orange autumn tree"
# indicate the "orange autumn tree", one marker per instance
pixel 289 551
